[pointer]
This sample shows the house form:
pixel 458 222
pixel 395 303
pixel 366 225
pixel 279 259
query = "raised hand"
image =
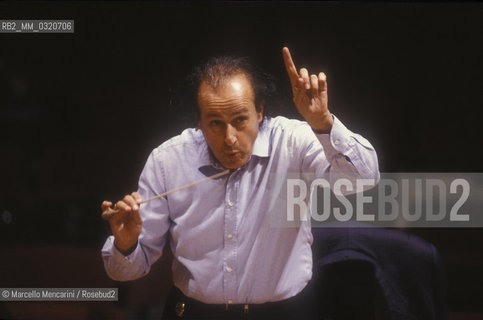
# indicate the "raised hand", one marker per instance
pixel 309 95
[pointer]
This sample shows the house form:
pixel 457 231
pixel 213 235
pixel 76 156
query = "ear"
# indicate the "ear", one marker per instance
pixel 260 113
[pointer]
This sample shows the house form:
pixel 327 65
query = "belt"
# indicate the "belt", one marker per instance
pixel 180 306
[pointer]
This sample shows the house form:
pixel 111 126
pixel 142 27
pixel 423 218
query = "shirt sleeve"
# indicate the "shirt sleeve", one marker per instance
pixel 156 223
pixel 340 154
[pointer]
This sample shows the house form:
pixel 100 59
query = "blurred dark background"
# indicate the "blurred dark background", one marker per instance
pixel 79 114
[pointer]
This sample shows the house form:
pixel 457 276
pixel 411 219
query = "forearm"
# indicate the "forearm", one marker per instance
pixel 152 238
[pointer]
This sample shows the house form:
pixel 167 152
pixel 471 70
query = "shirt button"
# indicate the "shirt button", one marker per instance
pixel 230 236
pixel 336 142
pixel 230 204
pixel 229 269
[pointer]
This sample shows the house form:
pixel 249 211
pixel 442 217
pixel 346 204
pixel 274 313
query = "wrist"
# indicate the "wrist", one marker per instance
pixel 323 125
pixel 126 250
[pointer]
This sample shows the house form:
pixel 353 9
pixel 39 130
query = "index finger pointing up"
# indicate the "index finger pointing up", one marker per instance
pixel 290 66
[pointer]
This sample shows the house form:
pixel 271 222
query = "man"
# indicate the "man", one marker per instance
pixel 229 261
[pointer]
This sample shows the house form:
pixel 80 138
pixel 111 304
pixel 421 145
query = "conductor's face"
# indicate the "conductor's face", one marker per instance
pixel 229 120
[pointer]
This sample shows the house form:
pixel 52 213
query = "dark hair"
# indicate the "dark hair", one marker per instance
pixel 219 69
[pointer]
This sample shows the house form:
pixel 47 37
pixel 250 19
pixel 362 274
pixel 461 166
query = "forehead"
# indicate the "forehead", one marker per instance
pixel 234 92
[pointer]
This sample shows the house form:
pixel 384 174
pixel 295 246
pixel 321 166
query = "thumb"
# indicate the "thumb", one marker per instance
pixel 106 205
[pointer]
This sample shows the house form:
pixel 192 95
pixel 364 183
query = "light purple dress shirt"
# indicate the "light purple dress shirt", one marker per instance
pixel 225 248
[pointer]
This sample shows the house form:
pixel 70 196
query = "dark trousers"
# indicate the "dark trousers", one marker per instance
pixel 302 306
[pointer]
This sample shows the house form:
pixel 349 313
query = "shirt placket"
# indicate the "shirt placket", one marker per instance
pixel 230 239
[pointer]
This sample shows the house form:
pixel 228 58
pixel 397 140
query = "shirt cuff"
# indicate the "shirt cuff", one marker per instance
pixel 110 250
pixel 337 141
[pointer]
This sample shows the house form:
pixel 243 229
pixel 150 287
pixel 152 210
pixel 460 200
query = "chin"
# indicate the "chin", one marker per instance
pixel 234 164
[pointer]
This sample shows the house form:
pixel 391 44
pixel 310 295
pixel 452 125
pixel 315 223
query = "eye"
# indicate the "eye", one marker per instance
pixel 215 123
pixel 240 120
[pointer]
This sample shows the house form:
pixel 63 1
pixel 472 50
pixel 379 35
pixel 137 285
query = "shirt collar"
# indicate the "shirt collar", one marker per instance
pixel 261 147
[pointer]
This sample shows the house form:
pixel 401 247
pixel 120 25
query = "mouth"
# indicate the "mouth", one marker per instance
pixel 233 154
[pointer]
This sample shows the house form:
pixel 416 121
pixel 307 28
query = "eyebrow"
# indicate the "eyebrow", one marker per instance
pixel 215 115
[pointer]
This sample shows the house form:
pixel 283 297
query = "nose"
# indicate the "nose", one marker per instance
pixel 230 136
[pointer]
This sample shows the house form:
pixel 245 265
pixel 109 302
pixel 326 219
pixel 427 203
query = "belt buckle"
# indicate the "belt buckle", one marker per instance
pixel 179 309
pixel 245 307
